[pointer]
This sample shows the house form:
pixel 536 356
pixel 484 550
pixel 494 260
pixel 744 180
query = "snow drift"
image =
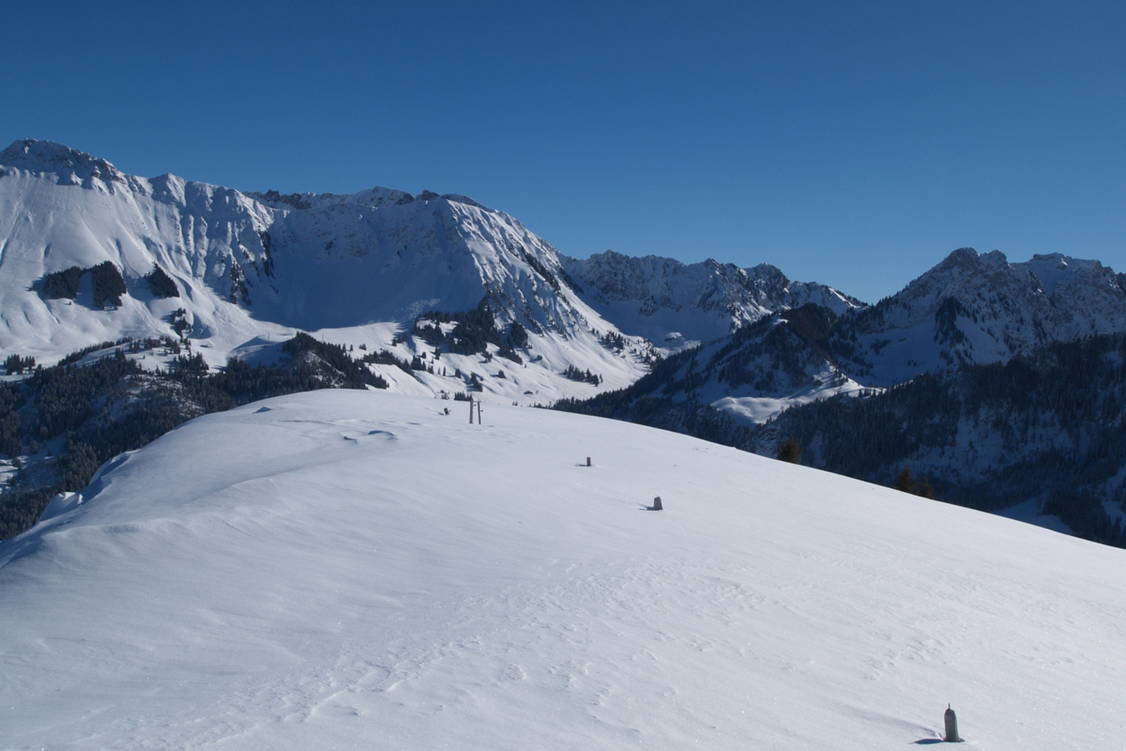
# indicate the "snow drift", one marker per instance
pixel 345 569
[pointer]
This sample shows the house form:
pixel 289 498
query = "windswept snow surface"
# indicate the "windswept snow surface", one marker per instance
pixel 345 569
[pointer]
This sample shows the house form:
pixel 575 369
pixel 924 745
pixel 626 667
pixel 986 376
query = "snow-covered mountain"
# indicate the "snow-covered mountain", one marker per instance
pixel 677 305
pixel 763 369
pixel 301 573
pixel 1018 410
pixel 436 295
pixel 970 309
pixel 90 254
pixel 1042 431
pixel 978 308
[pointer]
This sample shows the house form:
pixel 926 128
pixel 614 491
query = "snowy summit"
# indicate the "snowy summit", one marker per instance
pixel 347 569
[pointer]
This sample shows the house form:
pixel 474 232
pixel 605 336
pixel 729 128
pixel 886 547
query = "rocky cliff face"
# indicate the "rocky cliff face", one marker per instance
pixel 677 304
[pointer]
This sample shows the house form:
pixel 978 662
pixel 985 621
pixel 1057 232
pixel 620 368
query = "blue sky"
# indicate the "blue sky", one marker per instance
pixel 851 143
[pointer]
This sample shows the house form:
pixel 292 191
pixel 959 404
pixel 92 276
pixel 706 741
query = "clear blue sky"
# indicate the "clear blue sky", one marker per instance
pixel 854 143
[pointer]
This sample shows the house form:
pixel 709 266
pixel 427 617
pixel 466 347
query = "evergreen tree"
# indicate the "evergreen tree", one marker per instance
pixel 160 284
pixel 108 284
pixel 924 488
pixel 790 451
pixel 904 481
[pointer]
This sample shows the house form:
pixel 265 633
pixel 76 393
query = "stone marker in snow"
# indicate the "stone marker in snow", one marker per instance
pixel 657 504
pixel 588 461
pixel 951 726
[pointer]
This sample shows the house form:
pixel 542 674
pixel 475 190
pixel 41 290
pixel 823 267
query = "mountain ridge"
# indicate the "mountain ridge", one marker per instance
pixel 976 308
pixel 647 295
pixel 250 267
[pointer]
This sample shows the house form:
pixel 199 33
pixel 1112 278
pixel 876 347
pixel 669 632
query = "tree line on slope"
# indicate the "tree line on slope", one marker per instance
pixel 70 418
pixel 107 284
pixel 1049 426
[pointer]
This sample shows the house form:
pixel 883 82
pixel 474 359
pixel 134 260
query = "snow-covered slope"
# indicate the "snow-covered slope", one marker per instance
pixel 676 304
pixel 765 369
pixel 347 569
pixel 60 208
pixel 252 269
pixel 978 308
pixel 761 370
pixel 1043 432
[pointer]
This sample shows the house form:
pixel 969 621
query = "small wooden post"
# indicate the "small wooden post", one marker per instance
pixel 588 461
pixel 951 726
pixel 471 410
pixel 657 504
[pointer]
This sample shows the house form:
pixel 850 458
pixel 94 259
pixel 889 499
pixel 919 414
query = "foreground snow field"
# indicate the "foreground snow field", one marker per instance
pixel 344 569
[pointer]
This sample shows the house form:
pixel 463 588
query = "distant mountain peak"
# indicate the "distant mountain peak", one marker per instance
pixel 961 254
pixel 678 303
pixel 47 156
pixel 421 275
pixel 979 308
pixel 970 258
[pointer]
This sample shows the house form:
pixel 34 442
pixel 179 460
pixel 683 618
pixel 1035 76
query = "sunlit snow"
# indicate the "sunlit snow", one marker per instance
pixel 345 569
